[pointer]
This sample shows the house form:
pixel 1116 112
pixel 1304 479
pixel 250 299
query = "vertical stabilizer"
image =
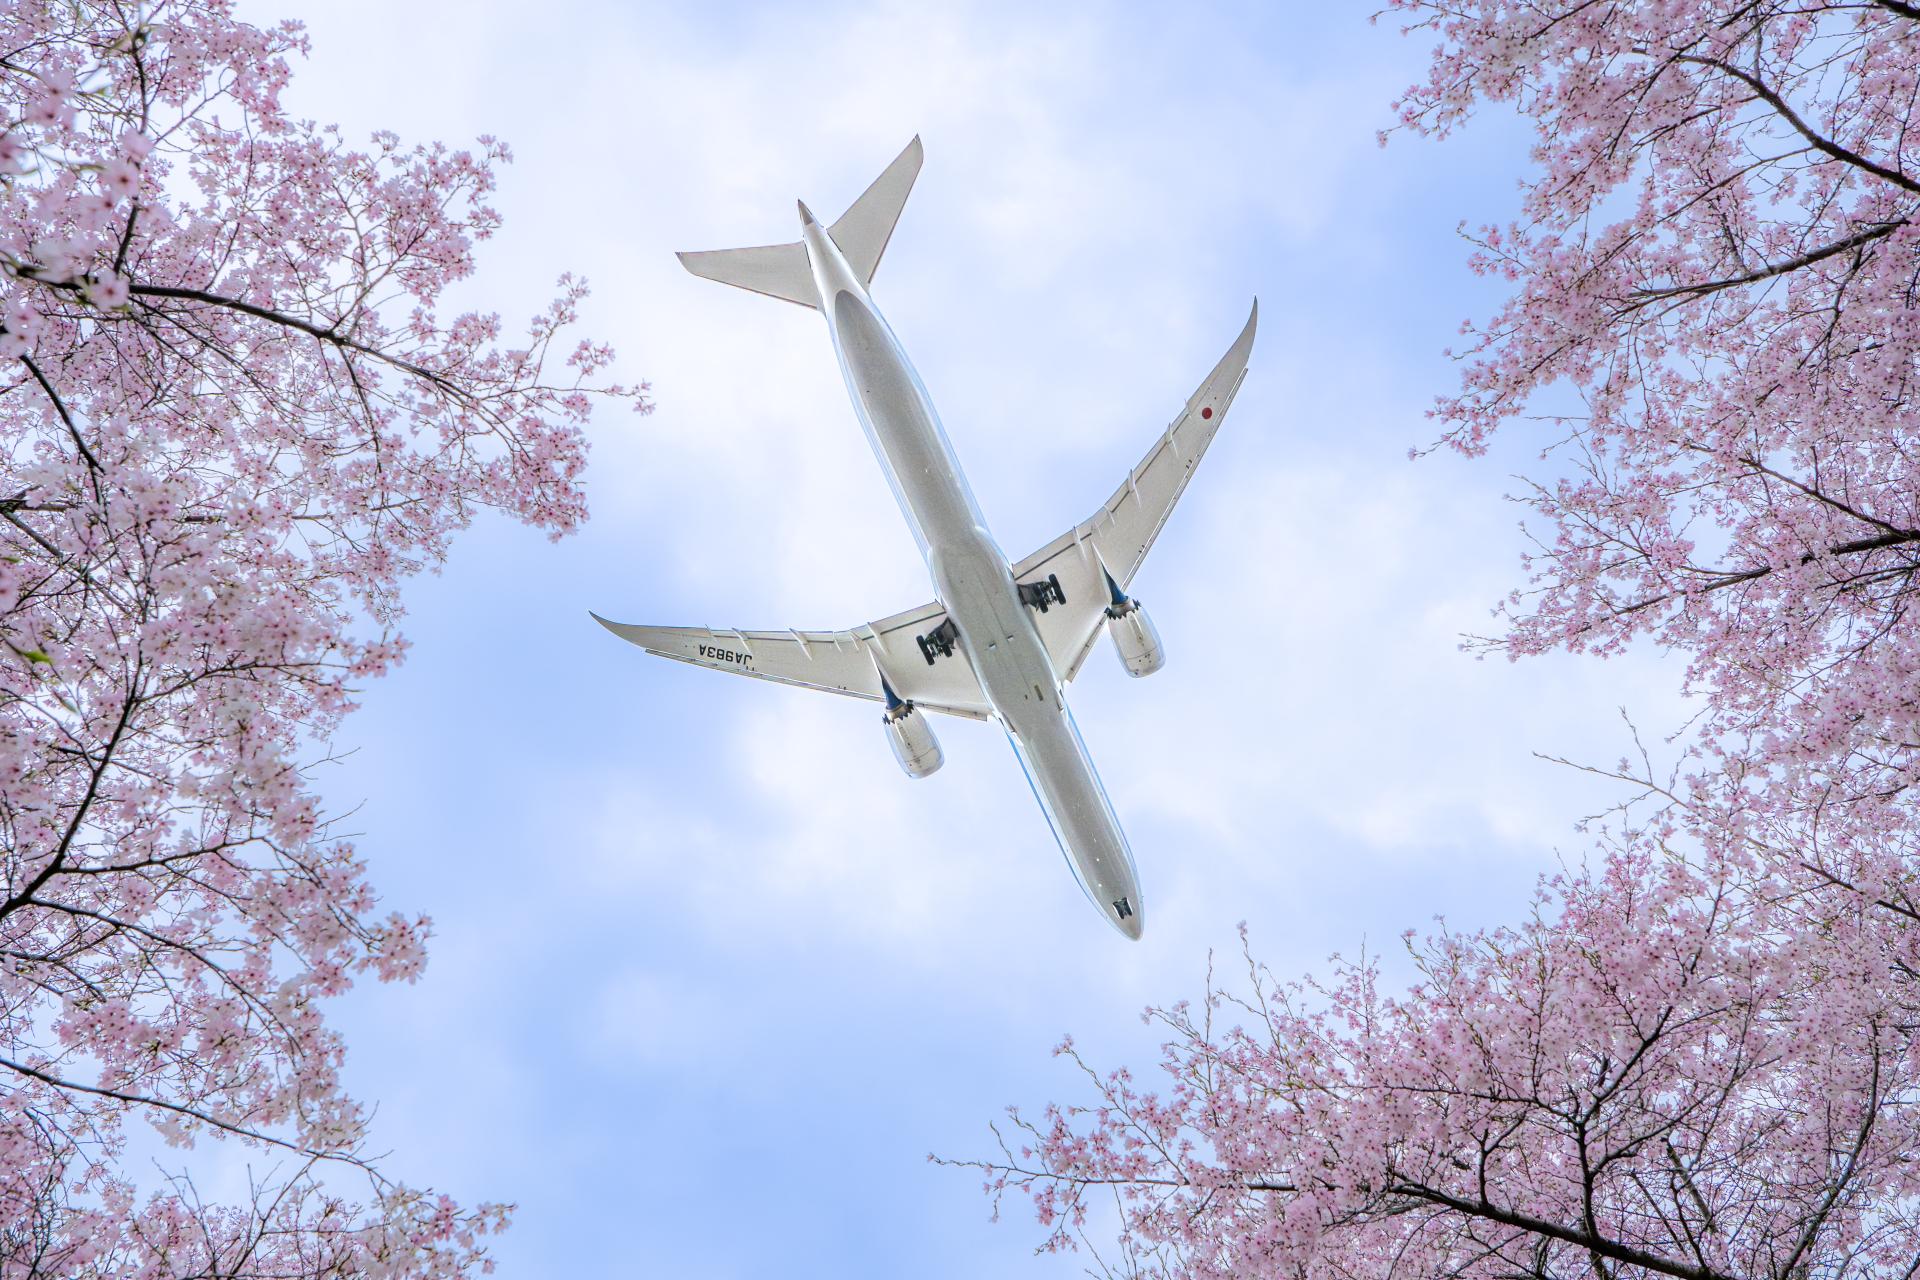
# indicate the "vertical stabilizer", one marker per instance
pixel 863 230
pixel 782 270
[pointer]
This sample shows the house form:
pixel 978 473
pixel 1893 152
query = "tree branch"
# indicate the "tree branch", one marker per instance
pixel 191 1113
pixel 329 334
pixel 60 408
pixel 1876 232
pixel 1583 1239
pixel 1787 113
pixel 1898 537
pixel 80 812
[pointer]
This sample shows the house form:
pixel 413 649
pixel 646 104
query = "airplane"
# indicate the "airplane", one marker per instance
pixel 1000 639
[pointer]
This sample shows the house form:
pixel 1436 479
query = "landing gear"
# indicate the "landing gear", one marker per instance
pixel 1043 595
pixel 938 642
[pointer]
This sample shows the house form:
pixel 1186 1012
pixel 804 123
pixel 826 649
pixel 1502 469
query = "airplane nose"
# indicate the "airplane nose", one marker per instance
pixel 806 214
pixel 1133 924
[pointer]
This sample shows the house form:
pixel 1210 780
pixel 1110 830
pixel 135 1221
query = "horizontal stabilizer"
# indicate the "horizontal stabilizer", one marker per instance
pixel 777 270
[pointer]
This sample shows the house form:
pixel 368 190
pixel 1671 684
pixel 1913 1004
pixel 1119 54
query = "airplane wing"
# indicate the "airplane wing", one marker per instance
pixel 1119 534
pixel 846 662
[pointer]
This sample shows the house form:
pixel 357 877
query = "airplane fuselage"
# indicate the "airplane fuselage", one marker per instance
pixel 974 582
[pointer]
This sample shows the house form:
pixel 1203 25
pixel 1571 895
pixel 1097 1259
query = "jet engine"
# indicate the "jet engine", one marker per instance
pixel 911 738
pixel 1134 637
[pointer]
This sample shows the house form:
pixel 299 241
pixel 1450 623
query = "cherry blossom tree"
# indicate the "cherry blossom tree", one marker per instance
pixel 1698 1058
pixel 235 421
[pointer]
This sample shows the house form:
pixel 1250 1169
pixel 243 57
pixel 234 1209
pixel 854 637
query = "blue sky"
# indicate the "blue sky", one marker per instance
pixel 711 976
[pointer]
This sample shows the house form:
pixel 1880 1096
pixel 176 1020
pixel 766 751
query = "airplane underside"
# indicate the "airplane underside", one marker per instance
pixel 999 641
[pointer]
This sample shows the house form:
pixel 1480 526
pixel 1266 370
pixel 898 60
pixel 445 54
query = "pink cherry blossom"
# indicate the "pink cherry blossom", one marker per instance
pixel 51 102
pixel 106 290
pixel 1699 1058
pixel 236 421
pixel 119 178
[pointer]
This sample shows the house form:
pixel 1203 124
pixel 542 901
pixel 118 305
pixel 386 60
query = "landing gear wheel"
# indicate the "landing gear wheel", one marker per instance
pixel 938 642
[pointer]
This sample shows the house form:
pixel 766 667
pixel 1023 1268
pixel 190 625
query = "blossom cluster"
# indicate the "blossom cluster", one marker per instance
pixel 233 422
pixel 1700 1058
pixel 1716 258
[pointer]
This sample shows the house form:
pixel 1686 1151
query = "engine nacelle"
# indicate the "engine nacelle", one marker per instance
pixel 1135 639
pixel 912 740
